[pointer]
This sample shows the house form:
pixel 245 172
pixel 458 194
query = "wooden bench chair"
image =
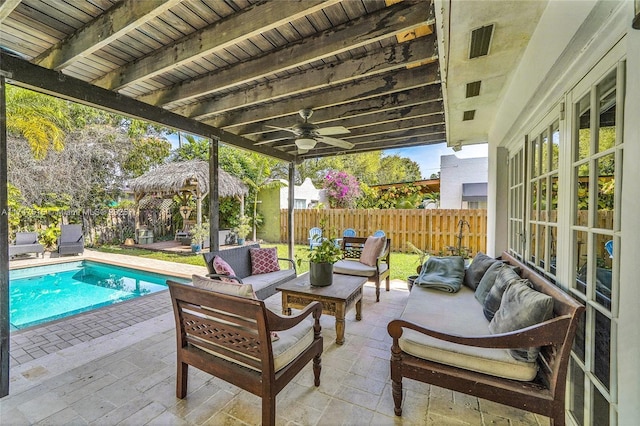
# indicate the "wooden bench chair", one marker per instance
pixel 229 337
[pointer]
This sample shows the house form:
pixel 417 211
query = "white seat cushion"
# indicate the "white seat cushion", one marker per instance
pixel 261 281
pixel 353 267
pixel 457 314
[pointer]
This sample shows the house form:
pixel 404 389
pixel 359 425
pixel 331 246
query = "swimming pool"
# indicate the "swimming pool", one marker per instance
pixel 46 293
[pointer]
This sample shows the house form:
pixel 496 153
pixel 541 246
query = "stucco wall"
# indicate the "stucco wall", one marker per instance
pixel 454 172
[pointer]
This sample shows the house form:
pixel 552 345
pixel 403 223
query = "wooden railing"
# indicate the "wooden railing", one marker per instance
pixel 434 230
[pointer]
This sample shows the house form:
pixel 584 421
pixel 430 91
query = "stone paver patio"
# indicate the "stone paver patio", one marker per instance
pixel 116 365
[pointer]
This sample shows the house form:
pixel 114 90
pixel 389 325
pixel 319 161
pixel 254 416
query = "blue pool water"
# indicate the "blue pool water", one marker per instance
pixel 46 293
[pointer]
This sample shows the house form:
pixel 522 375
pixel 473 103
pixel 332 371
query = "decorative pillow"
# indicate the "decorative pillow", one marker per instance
pixel 223 268
pixel 521 307
pixel 492 301
pixel 475 271
pixel 371 250
pixel 487 281
pixel 264 260
pixel 442 273
pixel 226 287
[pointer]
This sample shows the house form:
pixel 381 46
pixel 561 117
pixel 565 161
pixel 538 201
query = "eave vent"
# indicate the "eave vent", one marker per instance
pixel 473 89
pixel 469 115
pixel 480 41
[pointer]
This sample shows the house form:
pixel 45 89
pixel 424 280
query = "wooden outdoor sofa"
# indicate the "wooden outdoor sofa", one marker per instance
pixel 352 249
pixel 443 339
pixel 229 337
pixel 239 259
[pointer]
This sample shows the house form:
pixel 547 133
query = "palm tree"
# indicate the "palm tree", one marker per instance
pixel 40 119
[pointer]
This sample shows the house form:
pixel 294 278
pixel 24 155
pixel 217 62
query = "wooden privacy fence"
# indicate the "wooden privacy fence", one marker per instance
pixel 433 230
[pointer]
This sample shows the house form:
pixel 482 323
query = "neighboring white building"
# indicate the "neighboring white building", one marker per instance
pixel 463 182
pixel 305 195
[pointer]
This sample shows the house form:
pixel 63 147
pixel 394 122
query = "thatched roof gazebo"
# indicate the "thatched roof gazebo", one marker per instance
pixel 186 179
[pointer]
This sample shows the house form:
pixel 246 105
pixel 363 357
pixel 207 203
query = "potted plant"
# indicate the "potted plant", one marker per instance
pixel 128 235
pixel 198 234
pixel 242 229
pixel 321 259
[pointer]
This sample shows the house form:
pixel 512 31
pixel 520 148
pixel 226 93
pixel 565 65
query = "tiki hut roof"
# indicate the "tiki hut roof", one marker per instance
pixel 183 176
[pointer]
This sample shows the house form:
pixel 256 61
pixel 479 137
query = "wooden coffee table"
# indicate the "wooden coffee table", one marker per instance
pixel 336 299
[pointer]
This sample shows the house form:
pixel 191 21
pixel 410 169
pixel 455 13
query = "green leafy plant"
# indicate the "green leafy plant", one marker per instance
pixel 243 228
pixel 199 233
pixel 327 252
pixel 423 255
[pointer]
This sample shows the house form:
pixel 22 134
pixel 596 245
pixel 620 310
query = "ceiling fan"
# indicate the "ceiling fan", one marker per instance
pixel 308 134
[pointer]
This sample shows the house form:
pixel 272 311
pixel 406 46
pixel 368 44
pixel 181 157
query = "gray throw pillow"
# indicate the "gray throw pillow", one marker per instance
pixel 476 270
pixel 521 307
pixel 492 301
pixel 487 281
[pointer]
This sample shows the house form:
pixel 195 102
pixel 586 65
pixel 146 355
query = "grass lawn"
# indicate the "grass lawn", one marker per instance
pixel 402 264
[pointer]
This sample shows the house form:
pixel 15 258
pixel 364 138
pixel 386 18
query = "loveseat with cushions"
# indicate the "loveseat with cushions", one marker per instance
pixel 505 335
pixel 366 257
pixel 243 270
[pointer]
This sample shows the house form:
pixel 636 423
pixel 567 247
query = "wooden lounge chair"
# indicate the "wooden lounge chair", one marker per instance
pixel 229 337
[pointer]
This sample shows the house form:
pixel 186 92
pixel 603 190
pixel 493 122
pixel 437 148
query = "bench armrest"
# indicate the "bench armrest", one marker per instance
pixel 233 277
pixel 550 332
pixel 293 264
pixel 279 322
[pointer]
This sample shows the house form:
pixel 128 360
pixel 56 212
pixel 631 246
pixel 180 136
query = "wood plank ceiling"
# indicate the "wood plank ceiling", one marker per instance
pixel 243 65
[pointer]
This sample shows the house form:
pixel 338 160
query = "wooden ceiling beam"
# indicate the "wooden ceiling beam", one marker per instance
pixel 358 90
pixel 57 84
pixel 357 33
pixel 111 25
pixel 379 62
pixel 6 7
pixel 335 115
pixel 219 35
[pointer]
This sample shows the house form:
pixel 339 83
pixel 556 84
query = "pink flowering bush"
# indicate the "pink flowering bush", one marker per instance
pixel 342 188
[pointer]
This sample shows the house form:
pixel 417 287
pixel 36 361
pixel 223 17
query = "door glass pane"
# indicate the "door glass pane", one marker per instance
pixel 543 199
pixel 604 273
pixel 607 118
pixel 600 408
pixel 584 129
pixel 554 198
pixel 576 402
pixel 535 158
pixel 555 147
pixel 606 186
pixel 542 237
pixel 532 243
pixel 602 354
pixel 544 161
pixel 579 342
pixel 552 246
pixel 582 209
pixel 534 200
pixel 580 260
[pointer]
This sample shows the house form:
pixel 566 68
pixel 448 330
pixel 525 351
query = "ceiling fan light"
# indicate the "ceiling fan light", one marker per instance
pixel 305 143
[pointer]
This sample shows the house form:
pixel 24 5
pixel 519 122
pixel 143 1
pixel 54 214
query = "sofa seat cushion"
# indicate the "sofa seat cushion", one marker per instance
pixel 353 267
pixel 260 281
pixel 291 343
pixel 457 314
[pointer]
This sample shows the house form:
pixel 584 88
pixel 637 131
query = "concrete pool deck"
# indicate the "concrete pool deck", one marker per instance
pixel 116 365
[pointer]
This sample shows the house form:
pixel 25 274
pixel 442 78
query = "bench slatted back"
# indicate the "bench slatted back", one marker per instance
pixel 551 357
pixel 352 247
pixel 231 327
pixel 238 258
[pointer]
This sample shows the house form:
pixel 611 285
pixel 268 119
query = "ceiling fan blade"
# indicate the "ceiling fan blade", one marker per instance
pixel 335 142
pixel 335 130
pixel 286 129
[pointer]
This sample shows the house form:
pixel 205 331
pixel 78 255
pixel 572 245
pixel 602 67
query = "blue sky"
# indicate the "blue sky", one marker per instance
pixel 427 156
